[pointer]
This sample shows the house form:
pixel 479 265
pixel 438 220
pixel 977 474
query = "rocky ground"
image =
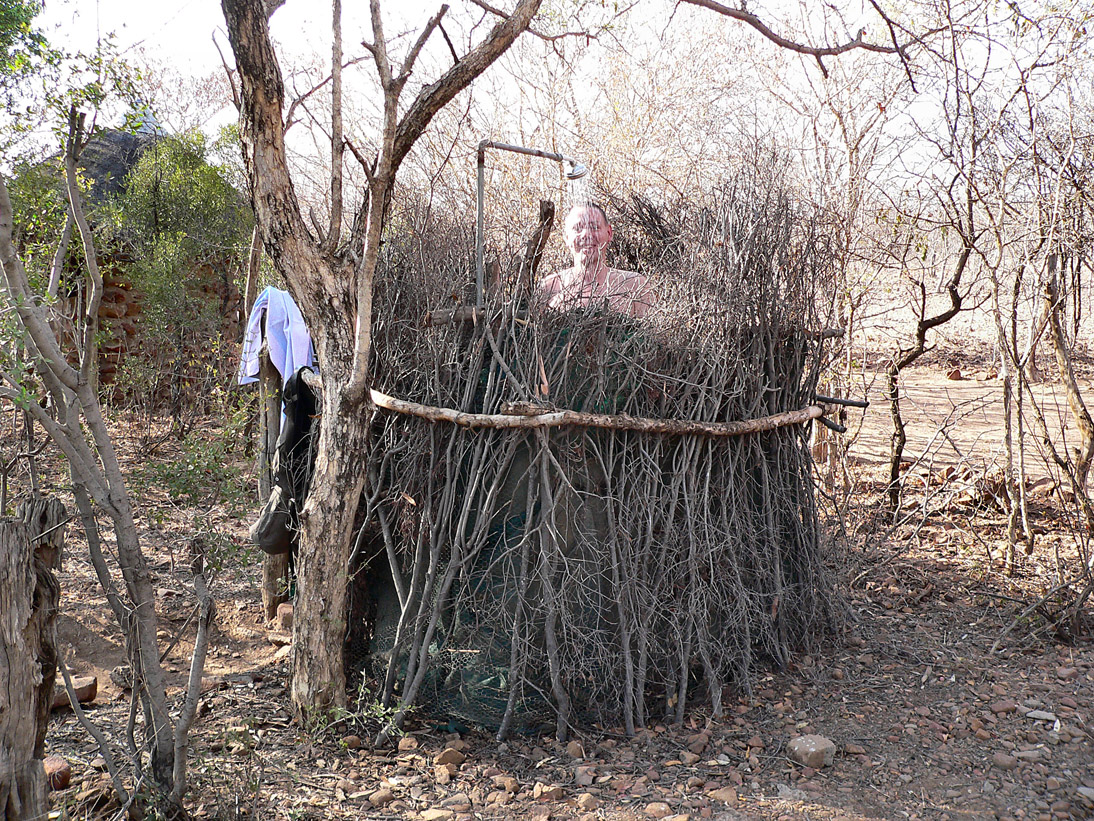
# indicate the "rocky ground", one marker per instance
pixel 924 720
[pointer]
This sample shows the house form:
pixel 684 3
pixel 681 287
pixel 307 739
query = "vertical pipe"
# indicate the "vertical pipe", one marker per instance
pixel 480 263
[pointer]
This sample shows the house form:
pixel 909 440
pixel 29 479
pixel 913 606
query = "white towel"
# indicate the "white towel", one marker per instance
pixel 287 335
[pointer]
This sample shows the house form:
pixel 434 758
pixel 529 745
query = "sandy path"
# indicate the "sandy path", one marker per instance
pixel 952 421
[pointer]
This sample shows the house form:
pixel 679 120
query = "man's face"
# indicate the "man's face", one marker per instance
pixel 587 234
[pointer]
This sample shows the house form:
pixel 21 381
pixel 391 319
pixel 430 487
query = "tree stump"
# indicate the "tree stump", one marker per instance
pixel 45 518
pixel 29 594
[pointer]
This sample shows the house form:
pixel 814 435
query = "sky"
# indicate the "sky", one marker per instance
pixel 181 31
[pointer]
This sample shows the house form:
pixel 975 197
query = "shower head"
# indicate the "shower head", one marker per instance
pixel 577 170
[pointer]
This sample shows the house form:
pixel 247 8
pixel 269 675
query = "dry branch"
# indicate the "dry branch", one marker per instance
pixel 532 417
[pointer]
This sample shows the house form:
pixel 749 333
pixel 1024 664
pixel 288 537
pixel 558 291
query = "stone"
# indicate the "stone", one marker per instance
pixel 688 758
pixel 507 783
pixel 539 754
pixel 458 802
pixel 381 797
pixel 408 742
pixel 443 773
pixel 1002 761
pixel 1067 673
pixel 1004 707
pixel 658 809
pixel 854 749
pixel 58 772
pixel 85 687
pixel 587 801
pixel 352 742
pixel 575 749
pixel 698 743
pixel 545 792
pixel 814 751
pixel 727 795
pixel 756 742
pixel 436 814
pixel 450 756
pixel 585 776
pixel 284 616
pixel 1041 715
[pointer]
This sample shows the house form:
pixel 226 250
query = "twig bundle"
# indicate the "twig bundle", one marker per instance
pixel 576 574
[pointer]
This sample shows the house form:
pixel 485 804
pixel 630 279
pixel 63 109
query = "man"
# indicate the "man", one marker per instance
pixel 590 282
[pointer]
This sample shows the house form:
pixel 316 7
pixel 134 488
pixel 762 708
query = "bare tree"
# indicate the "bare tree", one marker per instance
pixel 331 276
pixel 66 404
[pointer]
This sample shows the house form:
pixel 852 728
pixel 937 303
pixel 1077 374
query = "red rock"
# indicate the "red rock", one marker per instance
pixel 727 795
pixel 1004 707
pixel 585 776
pixel 543 792
pixel 658 809
pixel 1003 761
pixel 85 687
pixel 698 743
pixel 381 797
pixel 814 751
pixel 58 772
pixel 450 756
pixel 408 742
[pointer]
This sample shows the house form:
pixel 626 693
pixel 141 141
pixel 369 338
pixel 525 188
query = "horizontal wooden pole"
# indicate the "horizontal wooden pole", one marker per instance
pixel 560 418
pixel 531 417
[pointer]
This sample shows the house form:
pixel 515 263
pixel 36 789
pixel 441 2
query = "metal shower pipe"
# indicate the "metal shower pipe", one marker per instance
pixel 577 171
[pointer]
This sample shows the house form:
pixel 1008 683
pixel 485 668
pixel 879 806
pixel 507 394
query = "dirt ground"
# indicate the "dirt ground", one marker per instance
pixel 927 721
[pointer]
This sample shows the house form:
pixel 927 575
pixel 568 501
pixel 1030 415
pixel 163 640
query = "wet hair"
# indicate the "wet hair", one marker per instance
pixel 592 205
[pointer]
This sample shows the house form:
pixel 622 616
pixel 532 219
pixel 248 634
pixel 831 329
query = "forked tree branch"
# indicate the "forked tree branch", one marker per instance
pixel 817 52
pixel 548 38
pixel 435 96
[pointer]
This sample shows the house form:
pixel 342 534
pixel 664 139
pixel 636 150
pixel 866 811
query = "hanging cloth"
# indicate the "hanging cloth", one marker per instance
pixel 286 334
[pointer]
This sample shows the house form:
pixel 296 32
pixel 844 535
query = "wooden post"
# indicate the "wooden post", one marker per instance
pixel 275 568
pixel 28 609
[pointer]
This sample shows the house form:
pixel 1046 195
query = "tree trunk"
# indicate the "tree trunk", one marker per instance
pixel 1084 454
pixel 319 613
pixel 28 608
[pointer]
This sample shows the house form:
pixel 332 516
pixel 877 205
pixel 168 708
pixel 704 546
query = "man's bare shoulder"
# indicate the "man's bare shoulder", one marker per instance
pixel 552 283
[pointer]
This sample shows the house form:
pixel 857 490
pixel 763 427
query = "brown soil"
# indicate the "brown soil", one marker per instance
pixel 927 721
